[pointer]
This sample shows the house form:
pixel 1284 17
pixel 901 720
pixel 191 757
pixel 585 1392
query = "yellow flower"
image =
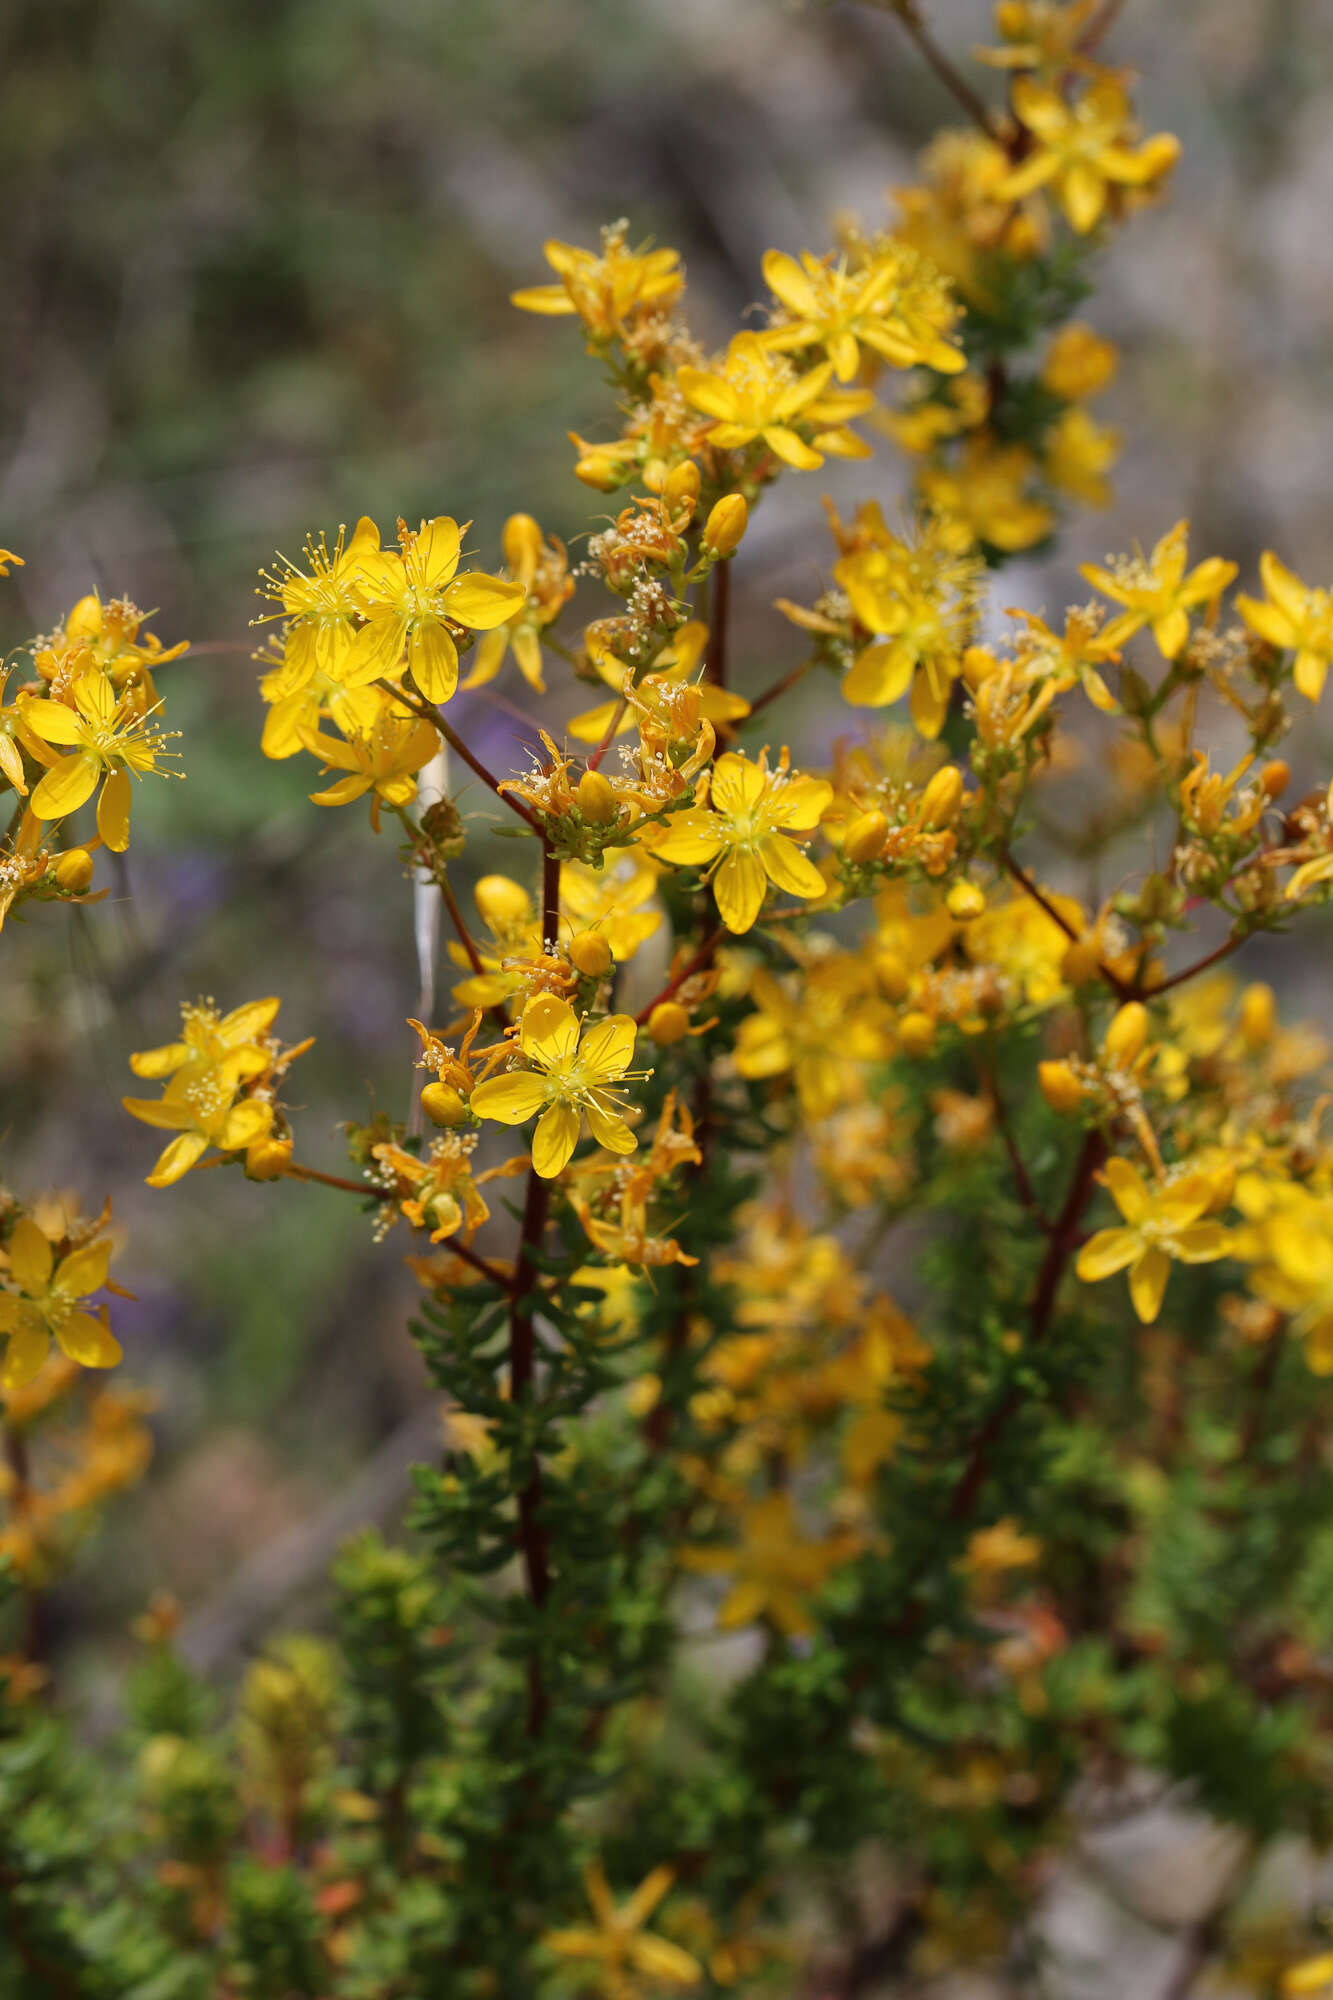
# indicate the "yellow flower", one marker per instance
pixel 1077 454
pixel 382 756
pixel 1160 1224
pixel 617 1942
pixel 1079 363
pixel 207 1067
pixel 1082 148
pixel 110 737
pixel 918 598
pixel 44 1305
pixel 1157 592
pixel 824 1029
pixel 983 499
pixel 741 835
pixel 542 567
pixel 1038 34
pixel 1296 618
pixel 1312 1979
pixel 605 291
pixel 895 302
pixel 322 608
pixel 777 1570
pixel 570 1080
pixel 414 599
pixel 756 395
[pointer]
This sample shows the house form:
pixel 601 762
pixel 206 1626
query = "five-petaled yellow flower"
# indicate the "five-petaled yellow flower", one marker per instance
pixel 617 1942
pixel 45 1306
pixel 108 736
pixel 207 1066
pixel 897 303
pixel 570 1081
pixel 1157 592
pixel 1082 148
pixel 1161 1224
pixel 741 831
pixel 413 597
pixel 608 290
pixel 1298 619
pixel 755 394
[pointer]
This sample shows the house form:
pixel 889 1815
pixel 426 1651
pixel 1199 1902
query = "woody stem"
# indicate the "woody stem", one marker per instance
pixel 523 1347
pixel 429 713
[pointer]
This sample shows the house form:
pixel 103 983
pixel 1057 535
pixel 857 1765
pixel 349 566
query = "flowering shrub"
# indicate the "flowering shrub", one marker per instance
pixel 918 1271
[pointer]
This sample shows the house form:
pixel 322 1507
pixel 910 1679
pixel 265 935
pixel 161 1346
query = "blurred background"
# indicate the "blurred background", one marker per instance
pixel 256 259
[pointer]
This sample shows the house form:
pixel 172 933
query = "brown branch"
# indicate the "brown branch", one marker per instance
pixel 780 687
pixel 1213 957
pixel 296 1172
pixel 1099 27
pixel 719 617
pixel 1121 988
pixel 617 717
pixel 1027 1194
pixel 701 958
pixel 1064 1241
pixel 523 1350
pixel 954 82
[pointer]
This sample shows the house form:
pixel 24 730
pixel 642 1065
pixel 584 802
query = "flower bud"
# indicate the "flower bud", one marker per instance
pixel 965 902
pixel 1080 963
pixel 916 1033
pixel 443 1105
pixel 891 972
pixel 726 524
pixel 268 1159
pixel 590 954
pixel 680 488
pixel 596 799
pixel 1128 1032
pixel 1060 1087
pixel 1275 777
pixel 74 870
pixel 503 904
pixel 941 799
pixel 1258 1015
pixel 865 837
pixel 600 469
pixel 522 545
pixel 668 1023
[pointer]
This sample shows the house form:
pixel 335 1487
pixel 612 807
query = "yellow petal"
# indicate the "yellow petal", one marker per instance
pixel 738 785
pixel 113 811
pixel 433 659
pixel 1108 1251
pixel 249 1022
pixel 880 674
pixel 692 837
pixel 176 1159
pixel 66 786
pixel 1147 1283
pixel 53 721
pixel 83 1271
pixel 160 1062
pixel 740 886
pixel 28 1348
pixel 168 1116
pixel 244 1124
pixel 789 868
pixel 1128 1189
pixel 484 601
pixel 511 1099
pixel 436 550
pixel 607 1050
pixel 549 1030
pixel 609 1129
pixel 30 1257
pixel 554 1140
pixel 89 1341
